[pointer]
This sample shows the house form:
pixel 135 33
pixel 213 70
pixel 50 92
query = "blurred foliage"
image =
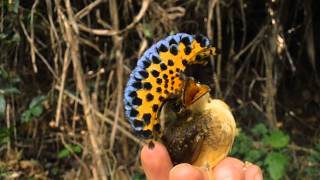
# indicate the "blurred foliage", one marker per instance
pixel 2 106
pixel 138 176
pixel 4 135
pixel 69 150
pixel 266 148
pixel 35 109
pixel 313 163
pixel 270 150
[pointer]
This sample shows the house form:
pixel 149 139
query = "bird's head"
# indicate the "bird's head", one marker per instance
pixel 180 108
pixel 197 129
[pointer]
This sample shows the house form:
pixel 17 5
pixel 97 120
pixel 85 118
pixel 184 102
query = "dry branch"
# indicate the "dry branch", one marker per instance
pixel 106 32
pixel 72 41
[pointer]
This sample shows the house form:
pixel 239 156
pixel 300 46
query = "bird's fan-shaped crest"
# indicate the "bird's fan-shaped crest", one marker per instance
pixel 157 77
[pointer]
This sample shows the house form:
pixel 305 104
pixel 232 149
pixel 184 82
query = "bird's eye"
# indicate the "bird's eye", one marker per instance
pixel 177 107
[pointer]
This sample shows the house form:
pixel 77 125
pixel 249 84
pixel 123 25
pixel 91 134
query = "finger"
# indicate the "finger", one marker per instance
pixel 186 171
pixel 229 168
pixel 156 162
pixel 253 172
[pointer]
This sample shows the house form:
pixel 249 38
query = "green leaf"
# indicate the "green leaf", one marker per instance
pixel 16 6
pixel 2 36
pixel 312 172
pixel 317 147
pixel 3 73
pixel 260 129
pixel 242 144
pixel 147 30
pixel 26 116
pixel 66 152
pixel 254 155
pixel 10 91
pixel 315 156
pixel 63 153
pixel 16 38
pixel 276 165
pixel 4 135
pixel 37 111
pixel 277 139
pixel 2 106
pixel 76 148
pixel 16 79
pixel 37 101
pixel 138 176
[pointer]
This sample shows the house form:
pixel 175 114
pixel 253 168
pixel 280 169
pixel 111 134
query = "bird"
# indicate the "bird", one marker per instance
pixel 161 103
pixel 199 129
pixel 159 76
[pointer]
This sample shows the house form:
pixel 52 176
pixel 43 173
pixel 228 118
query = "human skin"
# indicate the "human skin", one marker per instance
pixel 157 165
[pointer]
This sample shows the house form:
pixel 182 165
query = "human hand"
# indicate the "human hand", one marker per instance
pixel 158 166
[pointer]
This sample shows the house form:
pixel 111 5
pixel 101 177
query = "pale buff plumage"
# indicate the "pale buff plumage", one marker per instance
pixel 219 130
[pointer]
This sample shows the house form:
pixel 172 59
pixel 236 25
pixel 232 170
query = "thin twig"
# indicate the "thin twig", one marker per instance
pixel 86 10
pixel 217 75
pixel 244 24
pixel 105 119
pixel 256 40
pixel 54 37
pixel 270 89
pixel 300 148
pixel 117 41
pixel 8 122
pixel 66 62
pixel 106 32
pixel 32 44
pixel 37 52
pixel 85 167
pixel 73 43
pixel 211 6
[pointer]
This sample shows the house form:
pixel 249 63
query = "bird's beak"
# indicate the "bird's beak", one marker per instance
pixel 193 91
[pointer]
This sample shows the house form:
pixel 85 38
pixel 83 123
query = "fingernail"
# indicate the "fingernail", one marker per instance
pixel 258 176
pixel 151 145
pixel 227 178
pixel 186 171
